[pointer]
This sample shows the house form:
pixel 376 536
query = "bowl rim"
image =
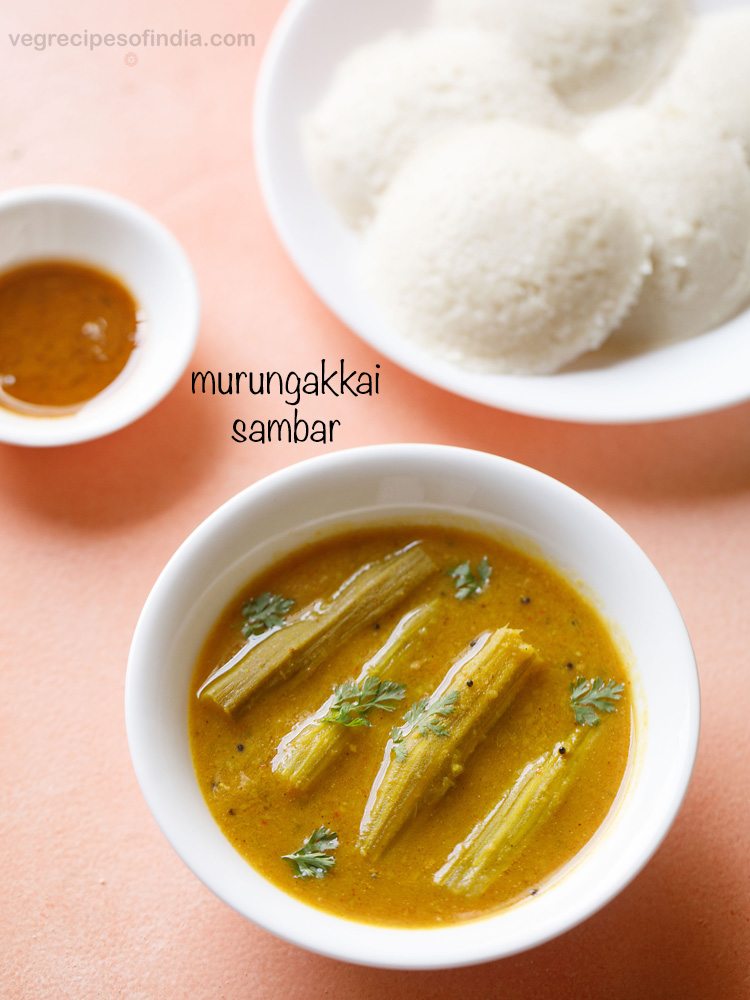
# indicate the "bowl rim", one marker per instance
pixel 294 930
pixel 47 432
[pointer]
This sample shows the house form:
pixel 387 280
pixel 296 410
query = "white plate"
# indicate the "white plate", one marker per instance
pixel 312 36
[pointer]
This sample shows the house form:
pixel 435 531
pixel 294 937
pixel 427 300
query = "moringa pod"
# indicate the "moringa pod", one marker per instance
pixel 310 747
pixel 542 785
pixel 424 757
pixel 318 630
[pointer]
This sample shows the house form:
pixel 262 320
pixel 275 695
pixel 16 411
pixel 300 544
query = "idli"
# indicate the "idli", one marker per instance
pixel 712 79
pixel 389 97
pixel 504 248
pixel 594 53
pixel 693 189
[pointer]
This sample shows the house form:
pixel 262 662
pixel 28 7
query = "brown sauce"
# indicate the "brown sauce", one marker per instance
pixel 67 332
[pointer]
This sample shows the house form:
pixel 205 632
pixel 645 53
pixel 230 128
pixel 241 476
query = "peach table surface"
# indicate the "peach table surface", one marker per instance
pixel 94 902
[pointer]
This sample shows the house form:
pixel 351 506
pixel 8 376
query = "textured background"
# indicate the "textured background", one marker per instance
pixel 94 902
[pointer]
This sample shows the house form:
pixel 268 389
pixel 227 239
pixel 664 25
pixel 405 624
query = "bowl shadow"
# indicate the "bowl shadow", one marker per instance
pixel 120 479
pixel 701 456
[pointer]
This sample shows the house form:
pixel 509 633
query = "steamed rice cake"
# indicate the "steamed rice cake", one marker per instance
pixel 389 97
pixel 712 78
pixel 504 248
pixel 593 52
pixel 693 188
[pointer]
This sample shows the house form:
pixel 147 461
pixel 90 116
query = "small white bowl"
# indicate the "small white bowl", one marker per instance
pixel 95 228
pixel 413 482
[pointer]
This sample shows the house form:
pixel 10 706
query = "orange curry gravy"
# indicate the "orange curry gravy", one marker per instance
pixel 66 332
pixel 264 818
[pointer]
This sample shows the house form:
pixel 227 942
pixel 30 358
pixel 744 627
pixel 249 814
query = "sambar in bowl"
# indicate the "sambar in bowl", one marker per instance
pixel 412 706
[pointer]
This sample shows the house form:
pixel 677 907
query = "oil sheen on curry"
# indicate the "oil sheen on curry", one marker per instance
pixel 67 331
pixel 410 726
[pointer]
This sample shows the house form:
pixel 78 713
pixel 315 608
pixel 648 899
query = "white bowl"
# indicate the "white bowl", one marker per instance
pixel 311 38
pixel 104 231
pixel 372 485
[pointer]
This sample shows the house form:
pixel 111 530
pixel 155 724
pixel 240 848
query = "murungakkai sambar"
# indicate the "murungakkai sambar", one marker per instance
pixel 410 725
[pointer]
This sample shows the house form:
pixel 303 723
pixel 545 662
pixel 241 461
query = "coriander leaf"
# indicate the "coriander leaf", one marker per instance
pixel 352 703
pixel 312 859
pixel 415 712
pixel 265 612
pixel 424 716
pixel 470 582
pixel 589 697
